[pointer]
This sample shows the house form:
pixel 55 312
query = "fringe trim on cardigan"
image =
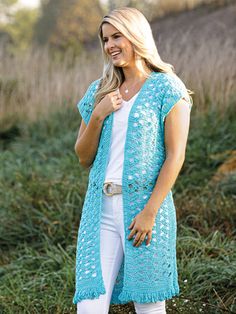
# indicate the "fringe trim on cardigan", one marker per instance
pixel 88 293
pixel 147 297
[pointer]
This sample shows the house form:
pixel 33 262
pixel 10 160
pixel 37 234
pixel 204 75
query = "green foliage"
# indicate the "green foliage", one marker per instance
pixel 46 24
pixel 7 87
pixel 5 5
pixel 42 188
pixel 65 24
pixel 219 132
pixel 8 2
pixel 20 28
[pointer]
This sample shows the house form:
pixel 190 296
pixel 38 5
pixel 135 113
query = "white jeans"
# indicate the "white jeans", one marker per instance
pixel 112 250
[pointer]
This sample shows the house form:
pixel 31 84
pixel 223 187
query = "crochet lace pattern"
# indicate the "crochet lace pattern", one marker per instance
pixel 147 274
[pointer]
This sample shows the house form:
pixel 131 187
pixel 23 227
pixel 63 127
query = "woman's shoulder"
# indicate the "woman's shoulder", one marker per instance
pixel 171 88
pixel 168 80
pixel 93 86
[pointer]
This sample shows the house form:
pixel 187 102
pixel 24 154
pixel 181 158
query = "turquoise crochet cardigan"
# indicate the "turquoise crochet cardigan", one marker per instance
pixel 147 274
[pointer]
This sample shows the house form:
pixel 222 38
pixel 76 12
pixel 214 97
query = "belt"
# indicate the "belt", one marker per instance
pixel 110 188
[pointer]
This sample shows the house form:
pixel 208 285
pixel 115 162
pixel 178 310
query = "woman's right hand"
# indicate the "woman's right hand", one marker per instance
pixel 111 102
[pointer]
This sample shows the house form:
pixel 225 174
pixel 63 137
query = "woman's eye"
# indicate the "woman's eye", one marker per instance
pixel 105 40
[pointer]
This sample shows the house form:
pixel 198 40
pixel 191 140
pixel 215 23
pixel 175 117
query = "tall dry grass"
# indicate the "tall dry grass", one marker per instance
pixel 207 68
pixel 32 84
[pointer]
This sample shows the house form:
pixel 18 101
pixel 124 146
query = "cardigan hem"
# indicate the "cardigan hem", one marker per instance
pixel 88 293
pixel 145 297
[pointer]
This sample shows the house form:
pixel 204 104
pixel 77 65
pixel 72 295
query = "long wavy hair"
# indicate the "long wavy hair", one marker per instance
pixel 135 27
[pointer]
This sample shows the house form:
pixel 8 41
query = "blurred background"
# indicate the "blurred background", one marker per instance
pixel 50 53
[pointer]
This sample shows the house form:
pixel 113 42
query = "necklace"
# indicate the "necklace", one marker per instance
pixel 126 89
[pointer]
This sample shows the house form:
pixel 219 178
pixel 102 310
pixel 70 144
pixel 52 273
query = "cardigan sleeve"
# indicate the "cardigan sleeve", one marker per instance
pixel 174 91
pixel 85 105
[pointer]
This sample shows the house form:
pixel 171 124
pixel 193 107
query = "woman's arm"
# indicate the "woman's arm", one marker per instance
pixel 88 138
pixel 176 133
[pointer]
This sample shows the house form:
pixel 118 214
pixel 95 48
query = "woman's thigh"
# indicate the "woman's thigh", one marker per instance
pixel 111 252
pixel 150 308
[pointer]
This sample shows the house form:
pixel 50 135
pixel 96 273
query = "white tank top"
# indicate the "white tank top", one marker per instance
pixel 116 155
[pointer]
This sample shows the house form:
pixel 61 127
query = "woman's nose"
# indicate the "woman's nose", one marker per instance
pixel 110 44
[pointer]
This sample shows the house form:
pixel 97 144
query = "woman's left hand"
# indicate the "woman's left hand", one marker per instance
pixel 142 225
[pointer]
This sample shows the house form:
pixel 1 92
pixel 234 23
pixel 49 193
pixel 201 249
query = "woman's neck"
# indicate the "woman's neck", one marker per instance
pixel 133 74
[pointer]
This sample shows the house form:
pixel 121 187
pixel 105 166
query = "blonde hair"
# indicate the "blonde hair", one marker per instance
pixel 135 27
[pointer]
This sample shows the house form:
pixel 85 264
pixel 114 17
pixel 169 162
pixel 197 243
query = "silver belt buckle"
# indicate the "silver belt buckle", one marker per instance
pixel 115 188
pixel 105 188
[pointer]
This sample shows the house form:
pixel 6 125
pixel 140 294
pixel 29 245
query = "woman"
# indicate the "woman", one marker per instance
pixel 133 135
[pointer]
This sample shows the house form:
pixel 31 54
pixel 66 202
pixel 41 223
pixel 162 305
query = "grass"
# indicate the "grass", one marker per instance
pixel 42 185
pixel 41 193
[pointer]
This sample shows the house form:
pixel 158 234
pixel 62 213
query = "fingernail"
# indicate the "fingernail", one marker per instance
pixel 148 245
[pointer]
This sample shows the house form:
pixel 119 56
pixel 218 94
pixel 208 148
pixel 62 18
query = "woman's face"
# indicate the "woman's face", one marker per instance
pixel 117 46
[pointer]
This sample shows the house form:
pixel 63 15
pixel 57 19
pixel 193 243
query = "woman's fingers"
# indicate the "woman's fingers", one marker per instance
pixel 116 94
pixel 141 239
pixel 137 238
pixel 132 223
pixel 140 236
pixel 132 233
pixel 149 237
pixel 115 99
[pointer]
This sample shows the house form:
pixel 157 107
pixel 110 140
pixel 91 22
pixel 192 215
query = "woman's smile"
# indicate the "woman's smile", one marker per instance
pixel 116 55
